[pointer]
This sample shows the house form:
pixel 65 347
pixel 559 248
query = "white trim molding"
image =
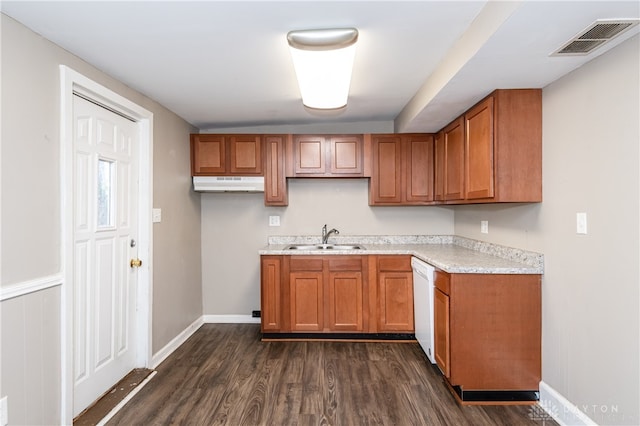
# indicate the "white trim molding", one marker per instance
pixel 73 82
pixel 174 344
pixel 230 319
pixel 126 399
pixel 31 286
pixel 561 409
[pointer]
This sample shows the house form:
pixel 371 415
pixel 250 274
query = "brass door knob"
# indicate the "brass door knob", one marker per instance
pixel 135 263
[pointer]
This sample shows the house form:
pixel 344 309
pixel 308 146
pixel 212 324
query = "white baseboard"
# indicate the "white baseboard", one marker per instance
pixel 174 344
pixel 561 409
pixel 230 319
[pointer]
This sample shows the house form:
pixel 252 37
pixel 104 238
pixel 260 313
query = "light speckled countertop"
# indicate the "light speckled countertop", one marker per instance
pixel 447 252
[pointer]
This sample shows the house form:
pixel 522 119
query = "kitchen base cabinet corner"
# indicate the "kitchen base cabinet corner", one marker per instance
pixel 488 336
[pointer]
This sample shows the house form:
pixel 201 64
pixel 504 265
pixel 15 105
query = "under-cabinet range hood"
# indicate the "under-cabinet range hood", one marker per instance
pixel 228 183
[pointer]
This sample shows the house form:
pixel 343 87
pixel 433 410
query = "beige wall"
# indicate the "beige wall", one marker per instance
pixel 31 233
pixel 235 227
pixel 591 134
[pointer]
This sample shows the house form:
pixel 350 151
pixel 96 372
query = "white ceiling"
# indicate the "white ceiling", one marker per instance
pixel 222 64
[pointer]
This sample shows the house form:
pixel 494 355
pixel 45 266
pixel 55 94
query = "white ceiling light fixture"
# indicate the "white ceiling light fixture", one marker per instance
pixel 323 60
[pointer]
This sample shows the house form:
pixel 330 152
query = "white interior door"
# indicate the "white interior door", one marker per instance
pixel 105 232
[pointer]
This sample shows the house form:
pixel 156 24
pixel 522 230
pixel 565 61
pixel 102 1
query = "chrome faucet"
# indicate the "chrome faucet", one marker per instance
pixel 325 233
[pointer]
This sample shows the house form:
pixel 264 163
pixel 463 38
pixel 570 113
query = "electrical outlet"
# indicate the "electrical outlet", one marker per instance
pixel 484 226
pixel 581 223
pixel 4 412
pixel 274 220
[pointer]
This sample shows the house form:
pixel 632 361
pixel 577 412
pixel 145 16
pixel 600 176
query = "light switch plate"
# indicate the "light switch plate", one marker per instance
pixel 156 215
pixel 274 220
pixel 581 223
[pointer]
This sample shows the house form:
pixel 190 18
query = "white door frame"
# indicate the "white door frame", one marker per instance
pixel 73 82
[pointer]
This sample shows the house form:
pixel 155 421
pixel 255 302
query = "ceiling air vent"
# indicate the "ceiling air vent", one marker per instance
pixel 595 35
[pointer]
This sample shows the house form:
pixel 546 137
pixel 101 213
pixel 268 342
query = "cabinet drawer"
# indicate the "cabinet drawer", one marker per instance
pixel 342 263
pixel 305 263
pixel 443 282
pixel 394 263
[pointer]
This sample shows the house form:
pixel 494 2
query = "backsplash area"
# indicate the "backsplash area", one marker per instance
pixel 509 253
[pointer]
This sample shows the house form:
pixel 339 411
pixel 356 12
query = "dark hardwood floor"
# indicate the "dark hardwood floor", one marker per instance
pixel 224 375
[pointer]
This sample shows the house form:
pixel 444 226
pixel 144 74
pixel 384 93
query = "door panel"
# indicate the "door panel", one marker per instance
pixel 396 301
pixel 105 224
pixel 419 168
pixel 479 169
pixel 310 156
pixel 454 160
pixel 441 330
pixel 386 184
pixel 208 155
pixel 307 301
pixel 246 155
pixel 346 301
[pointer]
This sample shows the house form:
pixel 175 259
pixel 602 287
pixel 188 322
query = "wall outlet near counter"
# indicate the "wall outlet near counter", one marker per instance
pixel 274 220
pixel 484 226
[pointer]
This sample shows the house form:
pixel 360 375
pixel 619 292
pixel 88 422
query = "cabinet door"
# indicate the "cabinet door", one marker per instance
pixel 454 160
pixel 346 301
pixel 275 181
pixel 208 155
pixel 395 292
pixel 438 165
pixel 345 155
pixel 309 155
pixel 245 155
pixel 441 332
pixel 479 162
pixel 270 297
pixel 418 168
pixel 306 301
pixel 385 186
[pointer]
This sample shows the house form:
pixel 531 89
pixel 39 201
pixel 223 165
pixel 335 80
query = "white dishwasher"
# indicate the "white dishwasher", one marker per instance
pixel 423 285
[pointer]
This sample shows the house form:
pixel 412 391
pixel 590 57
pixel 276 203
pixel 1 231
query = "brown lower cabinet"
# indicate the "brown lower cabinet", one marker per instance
pixel 395 294
pixel 487 335
pixel 336 294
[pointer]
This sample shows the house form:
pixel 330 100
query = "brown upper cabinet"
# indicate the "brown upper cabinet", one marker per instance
pixel 490 154
pixel 226 155
pixel 493 152
pixel 275 179
pixel 478 144
pixel 402 172
pixel 506 127
pixel 327 156
pixel 451 151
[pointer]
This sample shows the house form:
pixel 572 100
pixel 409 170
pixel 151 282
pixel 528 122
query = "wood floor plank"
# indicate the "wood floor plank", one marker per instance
pixel 224 375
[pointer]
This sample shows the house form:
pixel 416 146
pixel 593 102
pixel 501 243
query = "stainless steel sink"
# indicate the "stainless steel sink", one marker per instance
pixel 324 247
